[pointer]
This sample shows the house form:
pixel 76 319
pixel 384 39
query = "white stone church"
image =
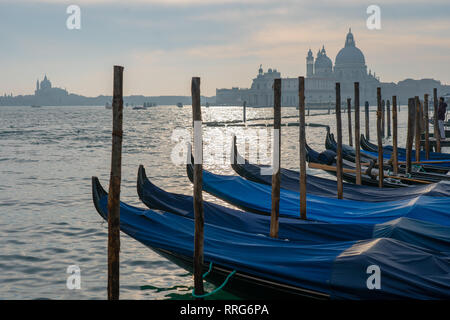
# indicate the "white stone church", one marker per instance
pixel 321 77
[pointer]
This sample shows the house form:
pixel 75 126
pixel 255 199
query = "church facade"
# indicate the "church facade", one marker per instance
pixel 45 94
pixel 320 82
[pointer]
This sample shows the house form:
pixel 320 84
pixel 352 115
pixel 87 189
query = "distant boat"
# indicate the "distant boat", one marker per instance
pixel 139 108
pixel 207 105
pixel 108 106
pixel 179 105
pixel 35 106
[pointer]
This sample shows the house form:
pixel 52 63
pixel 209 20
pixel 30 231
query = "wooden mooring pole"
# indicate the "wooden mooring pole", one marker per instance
pixel 395 135
pixel 302 138
pixel 198 195
pixel 276 180
pixel 437 134
pixel 388 117
pixel 339 171
pixel 357 136
pixel 366 111
pixel 427 127
pixel 422 118
pixel 383 118
pixel 244 112
pixel 114 187
pixel 349 112
pixel 417 128
pixel 379 137
pixel 410 133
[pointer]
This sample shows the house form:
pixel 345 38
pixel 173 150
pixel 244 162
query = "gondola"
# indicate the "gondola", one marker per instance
pixel 171 241
pixel 423 234
pixel 368 146
pixel 325 187
pixel 426 177
pixel 328 158
pixel 425 172
pixel 255 197
pixel 264 267
pixel 441 166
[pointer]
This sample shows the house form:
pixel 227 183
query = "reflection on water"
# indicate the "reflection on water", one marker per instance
pixel 47 218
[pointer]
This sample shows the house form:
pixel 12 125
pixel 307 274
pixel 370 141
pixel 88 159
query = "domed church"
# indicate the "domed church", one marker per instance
pixel 320 83
pixel 350 67
pixel 321 77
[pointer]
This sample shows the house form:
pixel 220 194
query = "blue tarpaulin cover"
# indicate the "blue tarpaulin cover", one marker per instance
pixel 424 234
pixel 338 269
pixel 444 163
pixel 256 197
pixel 290 180
pixel 402 151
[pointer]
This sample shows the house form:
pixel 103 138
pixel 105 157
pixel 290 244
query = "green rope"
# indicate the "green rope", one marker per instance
pixel 209 270
pixel 215 290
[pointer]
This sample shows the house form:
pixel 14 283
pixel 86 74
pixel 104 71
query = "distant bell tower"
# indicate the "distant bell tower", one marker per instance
pixel 309 64
pixel 37 85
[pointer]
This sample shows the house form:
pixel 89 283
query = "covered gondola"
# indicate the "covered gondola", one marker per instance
pixel 255 197
pixel 328 158
pixel 435 172
pixel 262 266
pixel 368 146
pixel 424 234
pixel 290 180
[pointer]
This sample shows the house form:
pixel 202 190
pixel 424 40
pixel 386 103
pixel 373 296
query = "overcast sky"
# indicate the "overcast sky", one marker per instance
pixel 163 43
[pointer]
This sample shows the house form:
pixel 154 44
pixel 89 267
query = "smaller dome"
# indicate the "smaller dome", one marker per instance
pixel 322 60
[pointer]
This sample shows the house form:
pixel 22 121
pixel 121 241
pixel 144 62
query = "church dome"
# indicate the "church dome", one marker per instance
pixel 46 84
pixel 322 61
pixel 350 53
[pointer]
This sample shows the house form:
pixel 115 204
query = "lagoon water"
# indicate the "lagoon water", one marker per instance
pixel 47 218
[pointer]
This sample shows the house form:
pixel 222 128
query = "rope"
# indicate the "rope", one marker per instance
pixel 215 290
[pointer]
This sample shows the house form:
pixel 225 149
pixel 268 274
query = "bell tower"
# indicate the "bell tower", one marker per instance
pixel 309 64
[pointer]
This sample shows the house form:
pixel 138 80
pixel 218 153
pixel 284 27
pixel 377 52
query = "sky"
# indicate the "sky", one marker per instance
pixel 164 43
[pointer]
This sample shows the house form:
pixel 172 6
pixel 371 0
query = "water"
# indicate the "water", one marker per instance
pixel 47 218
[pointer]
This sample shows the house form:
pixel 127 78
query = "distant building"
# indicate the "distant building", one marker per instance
pixel 230 96
pixel 46 95
pixel 321 77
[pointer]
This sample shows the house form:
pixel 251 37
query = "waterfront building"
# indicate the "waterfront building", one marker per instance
pixel 320 81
